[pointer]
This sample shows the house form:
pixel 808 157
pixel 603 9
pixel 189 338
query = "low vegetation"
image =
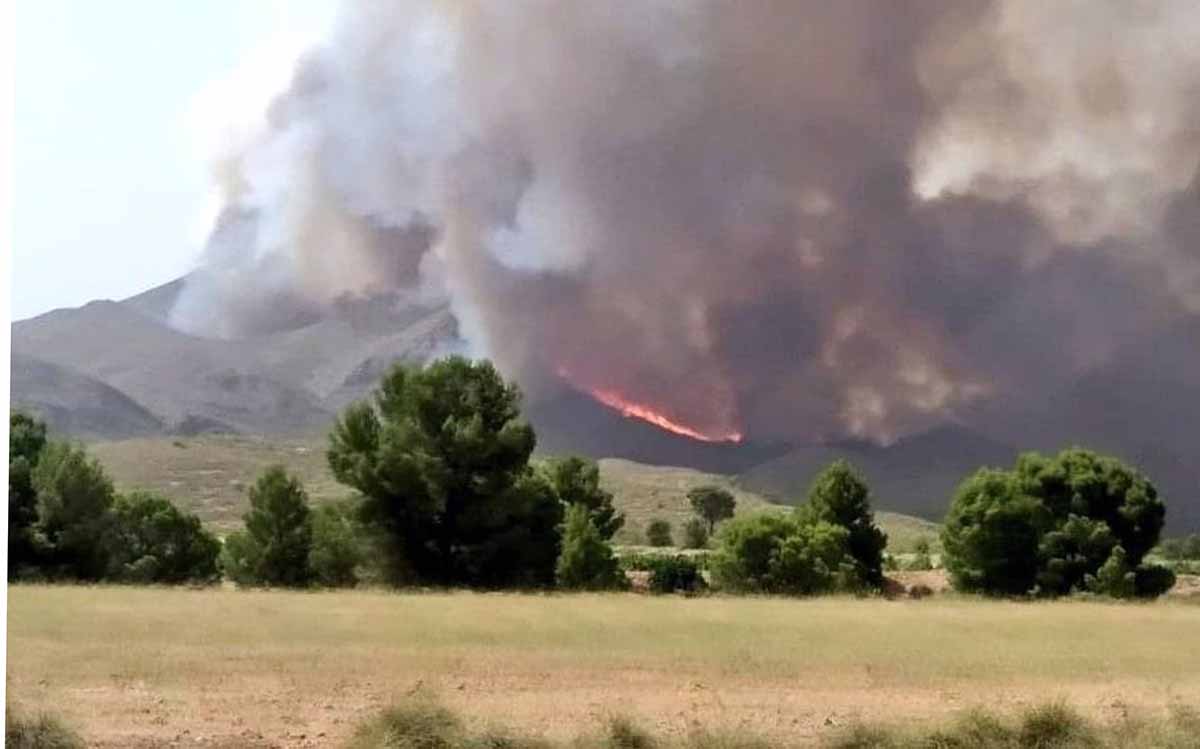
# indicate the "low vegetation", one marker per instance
pixel 444 493
pixel 41 731
pixel 1048 726
pixel 152 541
pixel 669 573
pixel 122 661
pixel 1052 526
pixel 275 546
pixel 830 543
pixel 586 561
pixel 423 723
pixel 68 523
pixel 441 460
pixel 659 534
pixel 712 504
pixel 695 534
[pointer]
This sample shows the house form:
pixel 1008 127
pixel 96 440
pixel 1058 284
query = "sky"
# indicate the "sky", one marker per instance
pixel 117 106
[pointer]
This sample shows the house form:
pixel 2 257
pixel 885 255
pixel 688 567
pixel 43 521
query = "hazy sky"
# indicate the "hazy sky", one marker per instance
pixel 116 104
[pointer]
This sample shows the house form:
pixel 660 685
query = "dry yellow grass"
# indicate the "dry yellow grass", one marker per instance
pixel 300 669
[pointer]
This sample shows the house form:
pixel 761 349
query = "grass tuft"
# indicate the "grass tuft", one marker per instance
pixel 42 731
pixel 1056 726
pixel 425 725
pixel 417 724
pixel 623 733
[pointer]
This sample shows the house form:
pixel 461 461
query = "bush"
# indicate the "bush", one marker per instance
pixel 921 561
pixel 274 548
pixel 623 733
pixel 441 458
pixel 658 533
pixel 416 724
pixel 1152 580
pixel 769 553
pixel 40 732
pixel 26 440
pixel 695 534
pixel 1051 525
pixel 1052 726
pixel 576 481
pixel 240 558
pixel 587 561
pixel 840 496
pixel 74 498
pixel 337 546
pixel 1181 548
pixel 422 724
pixel 154 542
pixel 669 573
pixel 713 504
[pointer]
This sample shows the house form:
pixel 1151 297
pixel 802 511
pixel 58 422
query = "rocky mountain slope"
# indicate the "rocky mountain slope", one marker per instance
pixel 118 370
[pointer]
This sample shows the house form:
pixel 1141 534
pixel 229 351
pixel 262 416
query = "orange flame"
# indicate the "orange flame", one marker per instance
pixel 658 419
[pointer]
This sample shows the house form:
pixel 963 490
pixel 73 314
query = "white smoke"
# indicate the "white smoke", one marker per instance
pixel 792 219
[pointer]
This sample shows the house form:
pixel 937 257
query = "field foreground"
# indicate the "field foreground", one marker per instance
pixel 151 667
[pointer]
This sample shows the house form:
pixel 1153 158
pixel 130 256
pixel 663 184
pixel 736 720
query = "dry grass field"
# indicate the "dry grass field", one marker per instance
pixel 153 667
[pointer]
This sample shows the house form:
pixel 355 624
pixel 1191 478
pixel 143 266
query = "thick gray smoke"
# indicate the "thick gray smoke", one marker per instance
pixel 793 219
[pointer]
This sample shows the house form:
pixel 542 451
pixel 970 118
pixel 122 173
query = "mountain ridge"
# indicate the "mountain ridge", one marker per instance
pixel 118 370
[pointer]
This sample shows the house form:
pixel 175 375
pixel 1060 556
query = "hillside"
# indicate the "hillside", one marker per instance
pixel 915 476
pixel 208 474
pixel 76 404
pixel 118 370
pixel 286 382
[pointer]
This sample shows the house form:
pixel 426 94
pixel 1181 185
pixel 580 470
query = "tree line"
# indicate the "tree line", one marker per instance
pixel 446 494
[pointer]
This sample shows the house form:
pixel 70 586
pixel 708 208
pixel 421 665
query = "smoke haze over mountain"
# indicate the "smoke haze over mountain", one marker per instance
pixel 794 220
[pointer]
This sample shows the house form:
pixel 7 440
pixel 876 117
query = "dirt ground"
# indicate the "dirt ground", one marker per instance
pixel 169 668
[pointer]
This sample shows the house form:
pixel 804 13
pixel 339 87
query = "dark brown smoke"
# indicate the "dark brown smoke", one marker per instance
pixel 797 220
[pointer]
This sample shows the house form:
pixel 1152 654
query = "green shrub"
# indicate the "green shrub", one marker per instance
pixel 26 441
pixel 153 541
pixel 1051 524
pixel 1114 578
pixel 39 732
pixel 746 549
pixel 921 560
pixel 889 563
pixel 1152 580
pixel 74 505
pixel 576 481
pixel 1055 725
pixel 695 534
pixel 713 504
pixel 658 533
pixel 441 457
pixel 840 496
pixel 586 561
pixel 240 558
pixel 769 553
pixel 274 547
pixel 674 574
pixel 337 546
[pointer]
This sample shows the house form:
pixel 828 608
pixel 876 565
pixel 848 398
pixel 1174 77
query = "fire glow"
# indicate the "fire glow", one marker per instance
pixel 658 419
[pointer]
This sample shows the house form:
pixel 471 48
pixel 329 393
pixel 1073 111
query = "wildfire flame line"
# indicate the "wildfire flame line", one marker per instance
pixel 650 415
pixel 645 413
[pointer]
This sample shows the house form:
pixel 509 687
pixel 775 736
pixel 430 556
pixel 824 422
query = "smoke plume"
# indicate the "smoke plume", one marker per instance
pixel 789 219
